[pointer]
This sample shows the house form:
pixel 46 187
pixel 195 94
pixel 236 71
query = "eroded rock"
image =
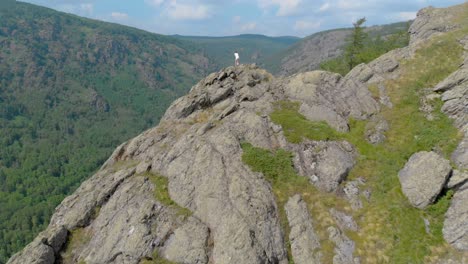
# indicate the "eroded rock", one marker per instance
pixel 326 164
pixel 423 177
pixel 188 244
pixel 455 225
pixel 304 241
pixel 344 247
pixel 457 179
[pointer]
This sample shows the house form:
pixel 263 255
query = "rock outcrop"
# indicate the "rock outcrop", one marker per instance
pixel 197 148
pixel 423 177
pixel 432 21
pixel 455 227
pixel 307 54
pixel 305 244
pixel 326 164
pixel 344 247
pixel 457 179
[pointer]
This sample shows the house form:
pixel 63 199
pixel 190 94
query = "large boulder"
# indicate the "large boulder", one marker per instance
pixel 423 177
pixel 456 220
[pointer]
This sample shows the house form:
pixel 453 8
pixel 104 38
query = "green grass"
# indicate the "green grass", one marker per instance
pixel 392 231
pixel 161 193
pixel 277 167
pixel 295 126
pixel 76 240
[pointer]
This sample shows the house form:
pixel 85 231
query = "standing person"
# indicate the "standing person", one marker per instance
pixel 236 56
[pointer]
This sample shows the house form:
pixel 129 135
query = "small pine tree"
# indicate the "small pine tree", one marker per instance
pixel 356 44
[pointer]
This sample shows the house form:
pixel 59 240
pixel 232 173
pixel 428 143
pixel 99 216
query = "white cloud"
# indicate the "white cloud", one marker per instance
pixel 324 7
pixel 155 3
pixel 84 9
pixel 406 15
pixel 285 7
pixel 236 19
pixel 248 27
pixel 87 8
pixel 119 16
pixel 302 25
pixel 349 4
pixel 182 11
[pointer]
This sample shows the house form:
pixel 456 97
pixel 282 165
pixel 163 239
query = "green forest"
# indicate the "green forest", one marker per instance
pixel 71 90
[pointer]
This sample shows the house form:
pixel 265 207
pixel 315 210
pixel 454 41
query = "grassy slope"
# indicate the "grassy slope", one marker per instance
pixel 392 231
pixel 251 48
pixel 56 73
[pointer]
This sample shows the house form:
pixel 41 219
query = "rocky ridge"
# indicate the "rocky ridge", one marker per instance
pixel 307 54
pixel 233 217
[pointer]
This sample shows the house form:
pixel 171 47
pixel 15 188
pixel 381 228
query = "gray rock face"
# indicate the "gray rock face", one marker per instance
pixel 457 179
pixel 326 164
pixel 344 247
pixel 431 21
pixel 453 80
pixel 375 130
pixel 455 225
pixel 352 192
pixel 77 209
pixel 423 177
pixel 328 97
pixel 304 242
pixel 44 249
pixel 455 98
pixel 128 225
pixel 344 221
pixel 188 244
pixel 206 173
pixel 35 253
pixel 460 155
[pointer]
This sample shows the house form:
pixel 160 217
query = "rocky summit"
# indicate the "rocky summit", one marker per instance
pixel 187 191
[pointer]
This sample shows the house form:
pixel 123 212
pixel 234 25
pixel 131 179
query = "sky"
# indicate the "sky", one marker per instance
pixel 232 17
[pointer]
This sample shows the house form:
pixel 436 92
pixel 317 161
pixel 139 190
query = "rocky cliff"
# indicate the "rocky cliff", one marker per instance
pixel 248 168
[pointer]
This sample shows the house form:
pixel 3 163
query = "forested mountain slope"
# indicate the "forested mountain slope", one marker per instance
pixel 72 89
pixel 309 52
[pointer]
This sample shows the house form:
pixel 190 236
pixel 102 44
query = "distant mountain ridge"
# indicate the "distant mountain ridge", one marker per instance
pixel 252 47
pixel 309 52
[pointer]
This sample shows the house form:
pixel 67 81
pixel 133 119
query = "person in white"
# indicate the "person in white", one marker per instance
pixel 236 56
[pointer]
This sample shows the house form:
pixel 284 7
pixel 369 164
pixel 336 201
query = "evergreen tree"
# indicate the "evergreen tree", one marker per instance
pixel 356 44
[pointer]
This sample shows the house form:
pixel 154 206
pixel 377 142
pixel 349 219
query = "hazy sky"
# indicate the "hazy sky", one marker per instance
pixel 232 17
